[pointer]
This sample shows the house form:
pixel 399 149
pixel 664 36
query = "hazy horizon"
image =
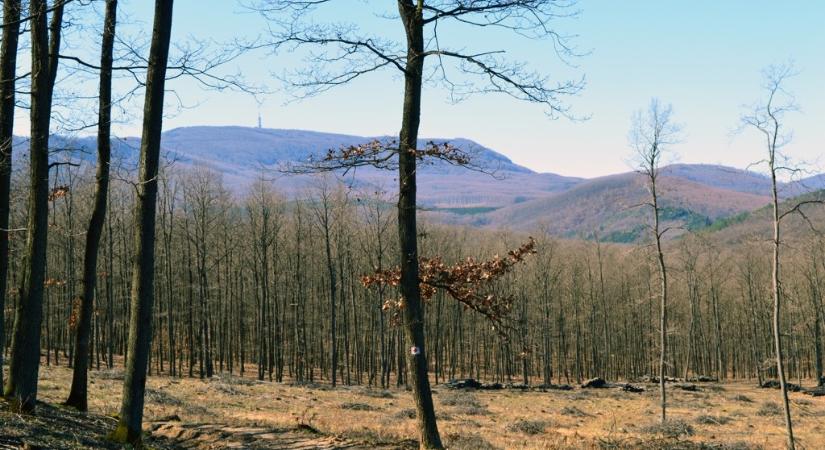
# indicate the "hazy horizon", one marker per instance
pixel 703 57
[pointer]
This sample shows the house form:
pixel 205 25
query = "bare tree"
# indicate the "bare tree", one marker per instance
pixel 25 361
pixel 78 396
pixel 129 428
pixel 767 117
pixel 323 203
pixel 347 53
pixel 651 134
pixel 8 66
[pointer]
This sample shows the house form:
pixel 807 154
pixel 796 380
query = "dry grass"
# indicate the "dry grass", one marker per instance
pixel 671 429
pixel 769 408
pixel 505 419
pixel 531 427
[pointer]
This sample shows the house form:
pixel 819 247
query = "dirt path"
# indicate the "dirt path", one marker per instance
pixel 217 436
pixel 58 428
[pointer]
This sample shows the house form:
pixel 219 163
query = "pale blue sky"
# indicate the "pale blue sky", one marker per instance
pixel 703 56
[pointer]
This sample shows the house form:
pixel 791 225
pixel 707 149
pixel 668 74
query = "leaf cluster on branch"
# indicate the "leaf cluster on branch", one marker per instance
pixel 58 192
pixel 468 282
pixel 382 155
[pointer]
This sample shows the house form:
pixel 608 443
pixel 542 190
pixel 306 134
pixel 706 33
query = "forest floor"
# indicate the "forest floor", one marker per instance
pixel 230 412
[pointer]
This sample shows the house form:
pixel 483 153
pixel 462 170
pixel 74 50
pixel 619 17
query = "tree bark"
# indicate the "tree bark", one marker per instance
pixel 78 396
pixel 142 296
pixel 660 259
pixel 777 302
pixel 24 366
pixel 412 16
pixel 8 66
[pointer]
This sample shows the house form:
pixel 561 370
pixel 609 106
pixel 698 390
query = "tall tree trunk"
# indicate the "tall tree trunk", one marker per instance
pixel 8 66
pixel 333 324
pixel 660 259
pixel 142 296
pixel 412 16
pixel 777 303
pixel 817 342
pixel 24 366
pixel 78 397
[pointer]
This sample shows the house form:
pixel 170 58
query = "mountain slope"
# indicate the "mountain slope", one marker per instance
pixel 610 207
pixel 693 195
pixel 721 177
pixel 757 225
pixel 242 154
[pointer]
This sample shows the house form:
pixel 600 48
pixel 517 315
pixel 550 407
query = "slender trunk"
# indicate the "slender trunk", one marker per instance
pixel 8 65
pixel 815 293
pixel 817 342
pixel 333 325
pixel 78 395
pixel 129 427
pixel 412 16
pixel 777 331
pixel 660 259
pixel 721 369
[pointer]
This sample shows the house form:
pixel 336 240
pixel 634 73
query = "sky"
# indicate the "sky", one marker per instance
pixel 703 56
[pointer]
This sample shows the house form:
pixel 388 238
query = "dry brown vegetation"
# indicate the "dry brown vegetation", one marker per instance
pixel 232 412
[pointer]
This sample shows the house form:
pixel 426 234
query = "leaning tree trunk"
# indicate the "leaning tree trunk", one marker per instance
pixel 8 64
pixel 660 259
pixel 777 336
pixel 24 366
pixel 78 397
pixel 413 313
pixel 143 269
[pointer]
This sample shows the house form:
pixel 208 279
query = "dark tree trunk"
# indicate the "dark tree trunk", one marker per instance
pixel 24 366
pixel 78 394
pixel 333 324
pixel 412 16
pixel 142 297
pixel 8 64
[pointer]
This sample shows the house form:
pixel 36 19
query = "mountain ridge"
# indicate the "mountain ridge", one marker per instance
pixel 517 197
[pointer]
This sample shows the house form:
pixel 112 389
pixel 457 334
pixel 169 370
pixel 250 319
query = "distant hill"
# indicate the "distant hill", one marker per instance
pixel 241 154
pixel 694 196
pixel 612 207
pixel 757 225
pixel 721 177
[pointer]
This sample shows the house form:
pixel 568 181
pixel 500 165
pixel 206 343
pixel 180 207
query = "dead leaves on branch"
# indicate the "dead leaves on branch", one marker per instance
pixel 58 192
pixel 53 282
pixel 468 282
pixel 381 155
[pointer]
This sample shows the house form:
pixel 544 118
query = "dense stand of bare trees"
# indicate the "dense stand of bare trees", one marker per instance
pixel 590 309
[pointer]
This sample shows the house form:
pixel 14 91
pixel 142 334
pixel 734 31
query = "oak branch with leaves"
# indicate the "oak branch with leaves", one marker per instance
pixel 468 282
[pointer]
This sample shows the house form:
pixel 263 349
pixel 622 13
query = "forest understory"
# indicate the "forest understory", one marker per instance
pixel 234 412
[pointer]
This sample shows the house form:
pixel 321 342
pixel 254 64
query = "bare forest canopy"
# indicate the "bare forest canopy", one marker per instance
pixel 242 284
